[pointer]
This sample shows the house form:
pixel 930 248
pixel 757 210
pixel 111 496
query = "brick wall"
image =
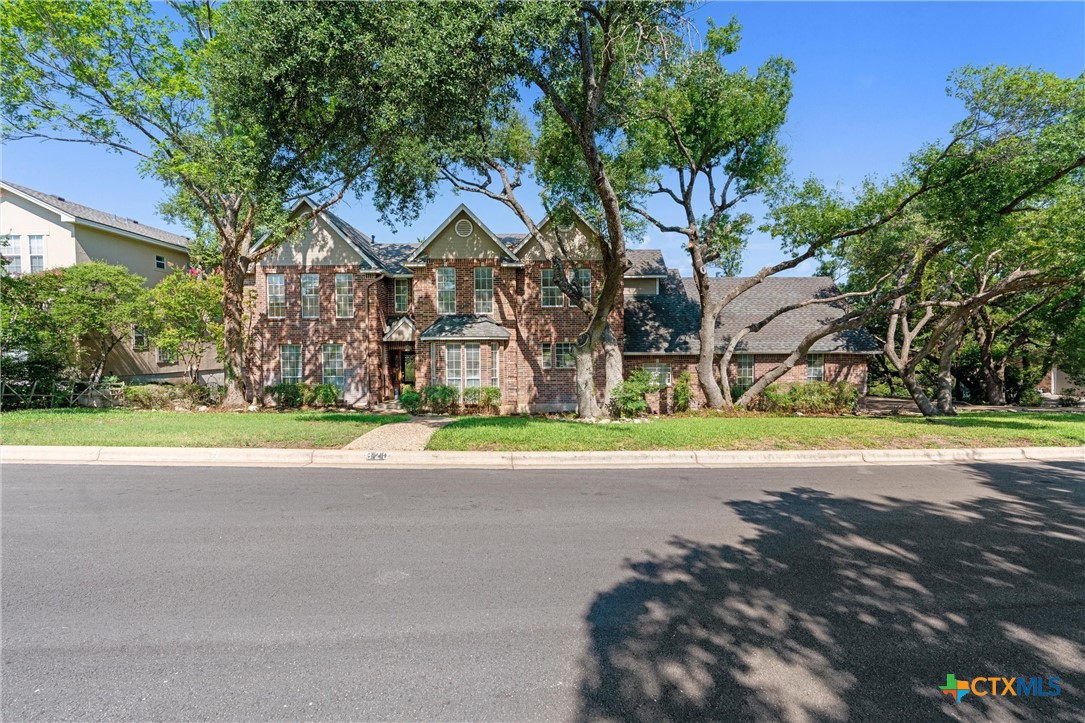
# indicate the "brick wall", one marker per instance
pixel 365 376
pixel 525 385
pixel 850 368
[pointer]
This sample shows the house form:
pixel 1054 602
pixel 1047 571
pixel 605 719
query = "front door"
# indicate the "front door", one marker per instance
pixel 402 368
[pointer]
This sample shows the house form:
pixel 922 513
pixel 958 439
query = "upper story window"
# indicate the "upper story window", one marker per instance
pixel 37 253
pixel 165 357
pixel 160 262
pixel 403 295
pixel 11 251
pixel 446 290
pixel 344 296
pixel 310 296
pixel 551 292
pixel 484 290
pixel 276 296
pixel 582 280
pixel 139 340
pixel 815 367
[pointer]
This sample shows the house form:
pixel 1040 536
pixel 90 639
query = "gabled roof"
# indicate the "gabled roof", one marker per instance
pixel 667 323
pixel 360 242
pixel 645 264
pixel 402 329
pixel 85 214
pixel 464 327
pixel 462 208
pixel 527 237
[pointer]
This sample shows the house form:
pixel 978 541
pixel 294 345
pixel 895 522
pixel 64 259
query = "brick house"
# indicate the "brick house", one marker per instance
pixel 469 307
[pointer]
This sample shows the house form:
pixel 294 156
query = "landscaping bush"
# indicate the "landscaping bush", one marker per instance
pixel 1030 398
pixel 1068 399
pixel 491 399
pixel 682 395
pixel 149 396
pixel 288 396
pixel 441 399
pixel 808 398
pixel 629 398
pixel 472 396
pixel 324 395
pixel 411 401
pixel 170 396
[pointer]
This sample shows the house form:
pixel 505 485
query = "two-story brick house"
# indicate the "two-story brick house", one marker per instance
pixel 468 307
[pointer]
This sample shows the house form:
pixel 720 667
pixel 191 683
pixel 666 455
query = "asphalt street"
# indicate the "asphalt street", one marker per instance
pixel 849 593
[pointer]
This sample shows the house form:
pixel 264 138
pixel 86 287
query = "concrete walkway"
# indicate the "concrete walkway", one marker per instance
pixel 412 436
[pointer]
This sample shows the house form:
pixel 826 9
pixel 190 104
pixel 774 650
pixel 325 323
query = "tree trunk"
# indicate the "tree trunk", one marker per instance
pixel 613 365
pixel 233 332
pixel 994 380
pixel 911 383
pixel 706 367
pixel 946 380
pixel 586 405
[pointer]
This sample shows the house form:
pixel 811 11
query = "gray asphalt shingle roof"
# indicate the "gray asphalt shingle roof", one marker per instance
pixel 668 322
pixel 645 262
pixel 93 215
pixel 464 326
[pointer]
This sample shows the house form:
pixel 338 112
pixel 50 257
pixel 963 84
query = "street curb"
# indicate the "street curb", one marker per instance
pixel 357 459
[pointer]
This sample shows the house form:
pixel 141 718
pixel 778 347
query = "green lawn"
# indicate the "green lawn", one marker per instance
pixel 127 428
pixel 765 432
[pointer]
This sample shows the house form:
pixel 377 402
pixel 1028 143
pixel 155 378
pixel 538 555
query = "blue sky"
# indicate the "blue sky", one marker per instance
pixel 869 89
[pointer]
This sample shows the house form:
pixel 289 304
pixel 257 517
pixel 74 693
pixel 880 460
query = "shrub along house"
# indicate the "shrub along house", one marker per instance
pixel 467 307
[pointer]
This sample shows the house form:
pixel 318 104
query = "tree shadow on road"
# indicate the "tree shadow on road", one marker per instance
pixel 847 609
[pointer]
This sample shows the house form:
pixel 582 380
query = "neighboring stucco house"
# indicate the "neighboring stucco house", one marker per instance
pixel 40 231
pixel 470 307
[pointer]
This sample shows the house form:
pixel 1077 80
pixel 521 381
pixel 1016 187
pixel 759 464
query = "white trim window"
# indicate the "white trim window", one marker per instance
pixel 276 296
pixel 582 280
pixel 165 357
pixel 37 253
pixel 558 356
pixel 472 365
pixel 484 290
pixel 290 363
pixel 139 339
pixel 815 367
pixel 331 365
pixel 402 295
pixel 446 290
pixel 453 366
pixel 495 365
pixel 551 292
pixel 344 296
pixel 310 296
pixel 160 262
pixel 660 374
pixel 745 376
pixel 10 249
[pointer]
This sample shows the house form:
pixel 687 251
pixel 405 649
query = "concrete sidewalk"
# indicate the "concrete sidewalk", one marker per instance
pixel 259 457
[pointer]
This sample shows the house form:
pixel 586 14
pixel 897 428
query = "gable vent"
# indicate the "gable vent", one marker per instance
pixel 464 228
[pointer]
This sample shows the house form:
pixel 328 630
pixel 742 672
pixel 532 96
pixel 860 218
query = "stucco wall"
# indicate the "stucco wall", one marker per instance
pixel 19 217
pixel 317 245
